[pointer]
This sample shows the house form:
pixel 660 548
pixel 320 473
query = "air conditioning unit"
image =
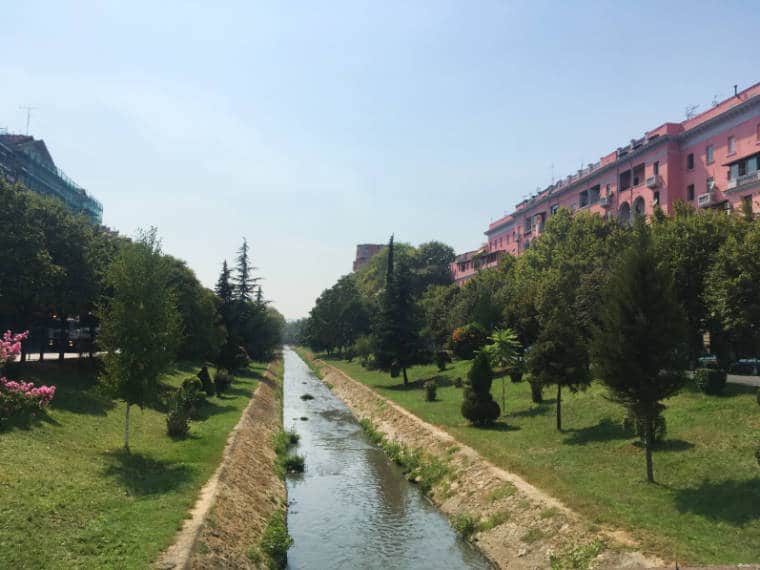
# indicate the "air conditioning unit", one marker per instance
pixel 605 201
pixel 706 200
pixel 653 181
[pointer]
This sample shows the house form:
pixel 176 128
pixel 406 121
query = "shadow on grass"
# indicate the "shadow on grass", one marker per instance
pixel 499 426
pixel 209 408
pixel 675 445
pixel 733 502
pixel 605 430
pixel 539 410
pixel 141 474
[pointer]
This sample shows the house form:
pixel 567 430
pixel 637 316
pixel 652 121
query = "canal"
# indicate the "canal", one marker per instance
pixel 352 507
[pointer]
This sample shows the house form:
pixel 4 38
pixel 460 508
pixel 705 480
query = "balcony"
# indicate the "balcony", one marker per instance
pixel 654 181
pixel 706 200
pixel 745 180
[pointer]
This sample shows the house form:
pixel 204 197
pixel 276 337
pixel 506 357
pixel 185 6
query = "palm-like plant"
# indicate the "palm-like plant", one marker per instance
pixel 503 352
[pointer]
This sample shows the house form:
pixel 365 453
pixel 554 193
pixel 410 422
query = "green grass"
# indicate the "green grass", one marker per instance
pixel 70 497
pixel 705 506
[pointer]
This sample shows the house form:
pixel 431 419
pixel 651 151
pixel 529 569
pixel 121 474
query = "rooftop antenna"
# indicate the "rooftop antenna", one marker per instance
pixel 736 90
pixel 28 110
pixel 691 111
pixel 552 173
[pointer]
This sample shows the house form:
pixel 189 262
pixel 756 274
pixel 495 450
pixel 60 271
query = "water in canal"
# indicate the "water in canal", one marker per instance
pixel 353 508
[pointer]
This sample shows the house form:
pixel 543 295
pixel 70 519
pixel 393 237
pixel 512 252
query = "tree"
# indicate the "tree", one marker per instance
pixel 639 347
pixel 244 280
pixel 559 356
pixel 140 325
pixel 503 352
pixel 397 330
pixel 478 405
pixel 733 290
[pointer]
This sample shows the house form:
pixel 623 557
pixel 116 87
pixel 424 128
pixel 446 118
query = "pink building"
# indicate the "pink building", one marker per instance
pixel 711 160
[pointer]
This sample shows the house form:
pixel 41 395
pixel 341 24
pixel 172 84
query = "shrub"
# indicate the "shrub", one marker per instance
pixel 208 384
pixel 430 390
pixel 191 396
pixel 478 406
pixel 177 419
pixel 222 381
pixel 466 340
pixel 465 524
pixel 710 380
pixel 275 541
pixel 20 401
pixel 293 463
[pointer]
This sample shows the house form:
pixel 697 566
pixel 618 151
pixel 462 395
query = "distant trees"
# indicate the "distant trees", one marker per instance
pixel 140 324
pixel 339 317
pixel 639 348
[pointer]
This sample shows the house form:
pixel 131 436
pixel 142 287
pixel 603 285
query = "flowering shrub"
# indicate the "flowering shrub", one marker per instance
pixel 467 340
pixel 19 400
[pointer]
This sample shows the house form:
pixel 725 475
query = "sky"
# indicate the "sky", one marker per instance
pixel 310 127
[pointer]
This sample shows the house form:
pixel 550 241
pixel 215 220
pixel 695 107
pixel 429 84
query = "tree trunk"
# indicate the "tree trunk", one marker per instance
pixel 126 430
pixel 648 448
pixel 536 394
pixel 559 407
pixel 64 337
pixel 406 380
pixel 503 396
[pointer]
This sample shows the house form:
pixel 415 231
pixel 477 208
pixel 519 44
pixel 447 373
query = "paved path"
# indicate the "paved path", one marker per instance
pixel 746 380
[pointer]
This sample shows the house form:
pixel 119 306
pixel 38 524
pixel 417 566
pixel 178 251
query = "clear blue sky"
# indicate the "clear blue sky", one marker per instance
pixel 310 127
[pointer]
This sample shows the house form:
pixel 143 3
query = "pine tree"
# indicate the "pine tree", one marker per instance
pixel 223 287
pixel 244 279
pixel 639 348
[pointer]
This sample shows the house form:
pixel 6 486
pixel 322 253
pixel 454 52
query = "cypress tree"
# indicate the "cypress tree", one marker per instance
pixel 639 347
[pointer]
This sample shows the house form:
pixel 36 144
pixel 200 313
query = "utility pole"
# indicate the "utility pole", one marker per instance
pixel 28 110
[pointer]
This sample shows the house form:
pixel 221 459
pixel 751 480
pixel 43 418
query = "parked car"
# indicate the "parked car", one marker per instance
pixel 746 366
pixel 707 361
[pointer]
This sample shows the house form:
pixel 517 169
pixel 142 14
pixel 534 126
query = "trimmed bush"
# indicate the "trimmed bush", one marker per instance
pixel 431 389
pixel 710 380
pixel 222 381
pixel 478 405
pixel 467 340
pixel 441 360
pixel 208 384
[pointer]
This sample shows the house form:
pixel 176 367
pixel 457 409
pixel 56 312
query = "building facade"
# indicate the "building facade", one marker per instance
pixel 365 252
pixel 711 160
pixel 26 160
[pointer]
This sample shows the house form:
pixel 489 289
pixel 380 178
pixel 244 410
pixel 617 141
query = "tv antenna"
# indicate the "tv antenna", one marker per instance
pixel 691 111
pixel 28 110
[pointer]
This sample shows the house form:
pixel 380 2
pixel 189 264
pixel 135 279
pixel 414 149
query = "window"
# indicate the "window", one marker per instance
pixel 690 192
pixel 625 180
pixel 656 168
pixel 710 184
pixel 656 199
pixel 528 225
pixel 638 174
pixel 609 189
pixel 710 154
pixel 553 210
pixel 731 145
pixel 593 194
pixel 690 162
pixel 583 199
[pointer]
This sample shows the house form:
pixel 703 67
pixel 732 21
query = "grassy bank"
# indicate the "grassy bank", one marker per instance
pixel 70 497
pixel 704 507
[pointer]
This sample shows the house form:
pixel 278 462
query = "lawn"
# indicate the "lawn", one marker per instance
pixel 70 497
pixel 705 506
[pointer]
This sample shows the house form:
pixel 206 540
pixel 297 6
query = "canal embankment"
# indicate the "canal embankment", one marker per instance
pixel 514 524
pixel 226 526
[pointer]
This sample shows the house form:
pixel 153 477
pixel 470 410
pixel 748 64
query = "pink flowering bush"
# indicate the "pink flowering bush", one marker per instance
pixel 19 400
